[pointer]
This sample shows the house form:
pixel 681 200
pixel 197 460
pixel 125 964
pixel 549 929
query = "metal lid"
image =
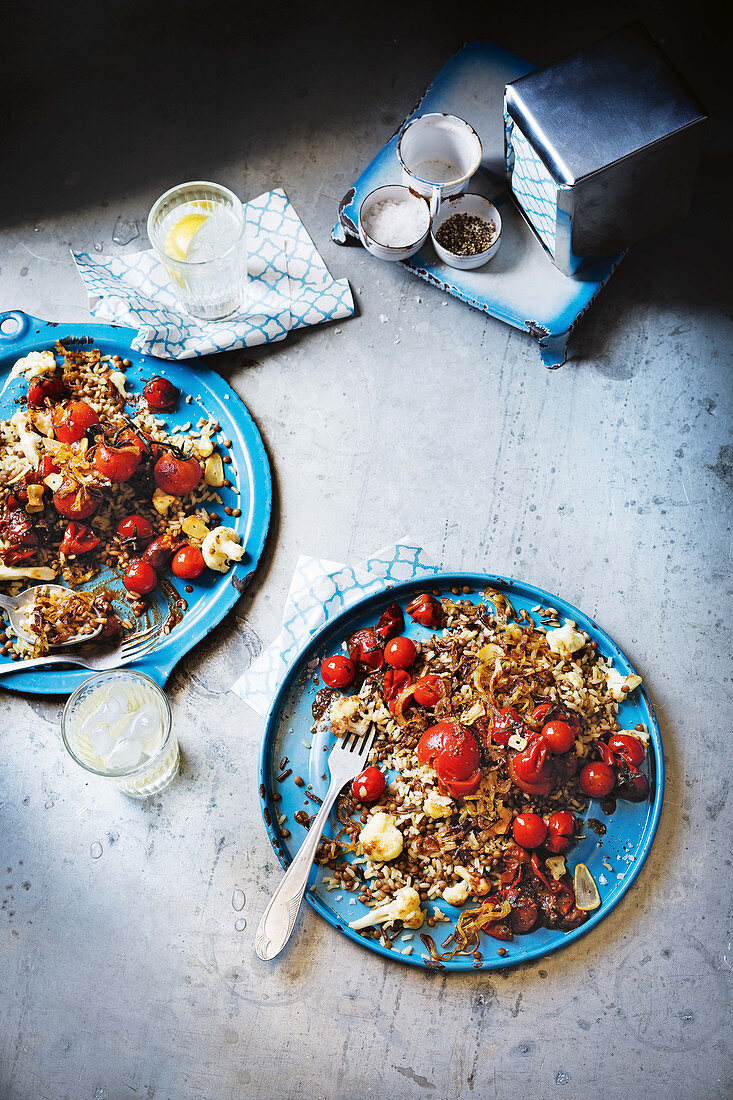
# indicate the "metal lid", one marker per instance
pixel 601 104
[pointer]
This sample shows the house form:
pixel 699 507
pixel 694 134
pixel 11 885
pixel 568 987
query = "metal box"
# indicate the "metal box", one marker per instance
pixel 602 148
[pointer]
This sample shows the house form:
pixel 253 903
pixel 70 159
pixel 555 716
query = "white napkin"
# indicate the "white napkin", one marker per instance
pixel 289 287
pixel 319 590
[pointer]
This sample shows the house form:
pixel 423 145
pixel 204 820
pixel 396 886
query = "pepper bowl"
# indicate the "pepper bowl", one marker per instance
pixel 466 204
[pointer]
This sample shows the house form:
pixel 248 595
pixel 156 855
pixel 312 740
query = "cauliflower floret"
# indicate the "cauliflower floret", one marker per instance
pixel 619 686
pixel 31 365
pixel 565 640
pixel 459 891
pixel 221 547
pixel 342 712
pixel 437 805
pixel 29 439
pixel 118 380
pixel 405 906
pixel 380 838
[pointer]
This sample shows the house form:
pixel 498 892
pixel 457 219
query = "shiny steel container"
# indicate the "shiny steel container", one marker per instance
pixel 602 148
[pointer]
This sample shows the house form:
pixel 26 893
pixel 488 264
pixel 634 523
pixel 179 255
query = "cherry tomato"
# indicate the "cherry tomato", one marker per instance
pixel 597 780
pixel 369 785
pixel 426 610
pixel 78 539
pixel 337 671
pixel 140 577
pixel 139 439
pixel 135 528
pixel 530 769
pixel 161 394
pixel 391 622
pixel 631 785
pixel 529 830
pixel 177 476
pixel 400 653
pixel 504 723
pixel 541 711
pixel 429 690
pixel 71 421
pixel 365 650
pixel 627 747
pixel 116 463
pixel 394 683
pixel 46 391
pixel 560 831
pixel 76 503
pixel 188 563
pixel 559 735
pixel 160 551
pixel 453 751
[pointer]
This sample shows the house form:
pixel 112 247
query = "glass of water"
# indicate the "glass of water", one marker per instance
pixel 199 233
pixel 118 725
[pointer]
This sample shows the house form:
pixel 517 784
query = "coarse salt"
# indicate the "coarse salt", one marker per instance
pixel 396 223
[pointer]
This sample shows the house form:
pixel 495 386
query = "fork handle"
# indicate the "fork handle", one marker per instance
pixel 50 659
pixel 278 920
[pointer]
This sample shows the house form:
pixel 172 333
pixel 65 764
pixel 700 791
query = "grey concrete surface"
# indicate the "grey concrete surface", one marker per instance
pixel 608 482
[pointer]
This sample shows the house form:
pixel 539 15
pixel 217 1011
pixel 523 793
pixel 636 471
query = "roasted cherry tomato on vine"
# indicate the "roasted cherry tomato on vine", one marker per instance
pixel 400 653
pixel 78 539
pixel 45 467
pixel 529 830
pixel 559 735
pixel 159 552
pixel 338 671
pixel 627 747
pixel 426 610
pixel 453 751
pixel 541 711
pixel 135 528
pixel 47 391
pixel 75 503
pixel 71 421
pixel 365 650
pixel 188 563
pixel 597 780
pixel 177 476
pixel 504 723
pixel 140 577
pixel 116 463
pixel 394 683
pixel 560 831
pixel 369 785
pixel 631 785
pixel 391 622
pixel 161 394
pixel 429 690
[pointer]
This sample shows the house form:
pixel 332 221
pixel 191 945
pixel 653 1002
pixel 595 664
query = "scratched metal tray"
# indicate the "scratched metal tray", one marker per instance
pixel 520 285
pixel 212 596
pixel 630 830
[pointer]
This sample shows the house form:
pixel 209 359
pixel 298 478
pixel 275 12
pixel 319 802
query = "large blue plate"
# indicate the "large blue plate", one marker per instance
pixel 630 831
pixel 213 596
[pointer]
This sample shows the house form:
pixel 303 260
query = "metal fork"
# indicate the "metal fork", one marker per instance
pixel 347 758
pixel 129 650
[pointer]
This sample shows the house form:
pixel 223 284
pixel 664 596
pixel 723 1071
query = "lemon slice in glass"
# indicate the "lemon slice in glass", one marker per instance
pixel 179 236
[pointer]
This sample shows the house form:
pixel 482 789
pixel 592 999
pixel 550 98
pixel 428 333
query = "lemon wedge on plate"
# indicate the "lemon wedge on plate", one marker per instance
pixel 179 236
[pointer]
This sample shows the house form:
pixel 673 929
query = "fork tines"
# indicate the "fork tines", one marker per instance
pixel 139 643
pixel 362 742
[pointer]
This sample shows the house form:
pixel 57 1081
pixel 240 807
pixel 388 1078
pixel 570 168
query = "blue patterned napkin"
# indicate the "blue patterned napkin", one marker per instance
pixel 319 590
pixel 289 287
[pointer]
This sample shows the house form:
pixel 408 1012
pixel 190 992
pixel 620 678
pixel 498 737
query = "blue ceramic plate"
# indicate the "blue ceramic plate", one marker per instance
pixel 213 596
pixel 630 830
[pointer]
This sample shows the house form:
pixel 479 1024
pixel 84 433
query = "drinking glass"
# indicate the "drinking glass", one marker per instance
pixel 199 233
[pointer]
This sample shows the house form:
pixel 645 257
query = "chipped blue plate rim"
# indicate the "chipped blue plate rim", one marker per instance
pixel 630 830
pixel 211 395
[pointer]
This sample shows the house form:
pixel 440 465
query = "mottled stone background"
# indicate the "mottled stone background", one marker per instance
pixel 607 481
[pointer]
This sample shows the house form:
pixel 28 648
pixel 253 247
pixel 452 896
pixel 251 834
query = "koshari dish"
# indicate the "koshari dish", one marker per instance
pixel 496 731
pixel 91 480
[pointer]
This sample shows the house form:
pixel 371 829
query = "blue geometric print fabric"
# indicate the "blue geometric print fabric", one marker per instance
pixel 319 590
pixel 532 185
pixel 288 287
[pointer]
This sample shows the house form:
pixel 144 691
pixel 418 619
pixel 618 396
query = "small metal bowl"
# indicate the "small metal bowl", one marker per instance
pixel 384 251
pixel 466 204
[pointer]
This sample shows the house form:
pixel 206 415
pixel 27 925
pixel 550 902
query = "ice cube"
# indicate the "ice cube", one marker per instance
pixel 126 754
pixel 145 725
pixel 101 740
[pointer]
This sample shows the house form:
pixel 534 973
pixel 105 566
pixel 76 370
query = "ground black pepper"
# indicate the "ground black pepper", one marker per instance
pixel 466 234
